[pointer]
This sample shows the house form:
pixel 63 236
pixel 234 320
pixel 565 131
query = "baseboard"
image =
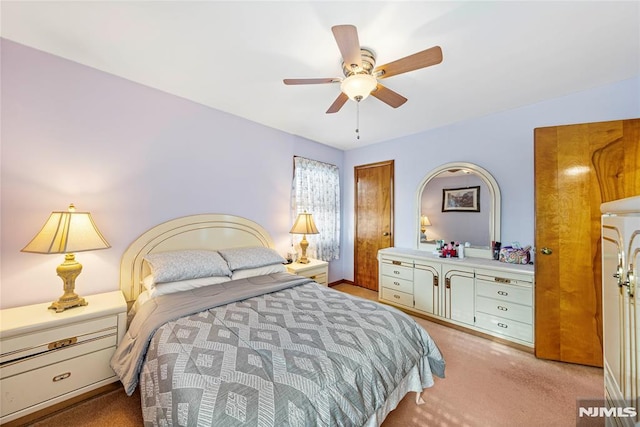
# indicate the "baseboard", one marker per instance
pixel 340 282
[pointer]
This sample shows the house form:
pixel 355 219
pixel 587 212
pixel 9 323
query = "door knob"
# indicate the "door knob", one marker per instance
pixel 386 233
pixel 546 251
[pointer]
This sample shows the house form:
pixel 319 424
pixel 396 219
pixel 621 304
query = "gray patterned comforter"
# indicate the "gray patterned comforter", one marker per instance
pixel 275 350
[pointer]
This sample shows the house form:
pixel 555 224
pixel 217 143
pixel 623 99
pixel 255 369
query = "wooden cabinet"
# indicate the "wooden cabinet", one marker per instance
pixel 577 167
pixel 478 294
pixel 48 357
pixel 316 269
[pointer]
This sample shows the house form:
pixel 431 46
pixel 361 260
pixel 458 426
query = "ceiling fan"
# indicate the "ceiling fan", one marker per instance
pixel 361 74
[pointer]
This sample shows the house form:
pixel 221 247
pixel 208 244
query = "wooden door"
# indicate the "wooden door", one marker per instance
pixel 577 167
pixel 373 219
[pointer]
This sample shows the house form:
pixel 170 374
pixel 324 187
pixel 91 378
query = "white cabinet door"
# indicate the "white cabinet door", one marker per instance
pixel 426 287
pixel 459 291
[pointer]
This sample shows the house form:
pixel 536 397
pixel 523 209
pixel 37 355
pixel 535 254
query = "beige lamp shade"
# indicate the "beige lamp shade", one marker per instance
pixel 424 221
pixel 66 233
pixel 304 225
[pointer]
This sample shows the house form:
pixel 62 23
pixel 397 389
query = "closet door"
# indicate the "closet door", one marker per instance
pixel 577 167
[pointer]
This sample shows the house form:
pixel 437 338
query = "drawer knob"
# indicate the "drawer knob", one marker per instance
pixel 503 293
pixel 396 283
pixel 501 280
pixel 502 308
pixel 396 272
pixel 502 325
pixel 312 277
pixel 396 296
pixel 61 377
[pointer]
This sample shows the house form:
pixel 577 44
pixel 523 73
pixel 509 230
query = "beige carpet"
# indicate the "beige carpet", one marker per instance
pixel 486 384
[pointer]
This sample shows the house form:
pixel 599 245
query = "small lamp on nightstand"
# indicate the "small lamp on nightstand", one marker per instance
pixel 66 233
pixel 304 225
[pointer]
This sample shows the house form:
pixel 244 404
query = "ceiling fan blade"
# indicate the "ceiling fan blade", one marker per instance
pixel 347 38
pixel 338 103
pixel 388 96
pixel 426 58
pixel 310 81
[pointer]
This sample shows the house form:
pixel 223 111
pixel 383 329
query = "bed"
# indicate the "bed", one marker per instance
pixel 246 343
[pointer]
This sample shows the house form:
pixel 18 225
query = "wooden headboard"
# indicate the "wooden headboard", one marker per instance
pixel 204 231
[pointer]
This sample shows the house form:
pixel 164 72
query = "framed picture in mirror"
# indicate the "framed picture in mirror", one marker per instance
pixel 466 199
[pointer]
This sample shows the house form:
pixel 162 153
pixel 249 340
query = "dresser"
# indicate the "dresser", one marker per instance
pixel 479 294
pixel 316 269
pixel 48 357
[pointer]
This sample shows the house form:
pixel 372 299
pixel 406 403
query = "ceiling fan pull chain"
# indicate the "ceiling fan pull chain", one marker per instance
pixel 358 120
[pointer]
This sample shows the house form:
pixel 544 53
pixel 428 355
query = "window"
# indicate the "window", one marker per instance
pixel 316 189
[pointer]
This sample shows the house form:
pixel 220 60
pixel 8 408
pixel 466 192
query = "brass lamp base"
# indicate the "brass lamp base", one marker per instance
pixel 303 246
pixel 68 271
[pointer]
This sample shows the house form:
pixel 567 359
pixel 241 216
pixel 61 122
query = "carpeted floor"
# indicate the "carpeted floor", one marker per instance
pixel 486 384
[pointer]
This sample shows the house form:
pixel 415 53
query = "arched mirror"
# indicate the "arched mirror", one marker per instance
pixel 458 202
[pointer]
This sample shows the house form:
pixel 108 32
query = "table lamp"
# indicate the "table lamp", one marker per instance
pixel 424 223
pixel 66 233
pixel 304 225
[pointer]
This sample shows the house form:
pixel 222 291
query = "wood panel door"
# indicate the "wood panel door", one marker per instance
pixel 373 219
pixel 577 167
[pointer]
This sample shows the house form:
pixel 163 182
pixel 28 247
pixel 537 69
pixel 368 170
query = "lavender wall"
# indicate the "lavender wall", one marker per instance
pixel 131 155
pixel 135 157
pixel 501 143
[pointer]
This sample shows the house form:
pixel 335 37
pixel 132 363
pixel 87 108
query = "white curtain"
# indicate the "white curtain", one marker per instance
pixel 316 189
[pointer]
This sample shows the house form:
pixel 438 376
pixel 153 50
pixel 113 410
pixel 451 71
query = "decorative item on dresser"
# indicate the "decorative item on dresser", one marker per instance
pixel 280 372
pixel 477 294
pixel 316 269
pixel 48 358
pixel 66 233
pixel 304 225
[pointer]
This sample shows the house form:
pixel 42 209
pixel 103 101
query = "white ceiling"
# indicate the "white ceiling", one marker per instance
pixel 232 56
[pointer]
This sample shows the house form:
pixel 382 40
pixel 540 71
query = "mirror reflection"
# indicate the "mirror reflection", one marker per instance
pixel 458 202
pixel 456 206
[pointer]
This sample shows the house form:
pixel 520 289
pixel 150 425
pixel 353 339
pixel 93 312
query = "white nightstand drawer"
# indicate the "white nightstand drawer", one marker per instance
pixel 396 284
pixel 39 385
pixel 51 357
pixel 50 339
pixel 397 297
pixel 398 271
pixel 315 270
pixel 509 310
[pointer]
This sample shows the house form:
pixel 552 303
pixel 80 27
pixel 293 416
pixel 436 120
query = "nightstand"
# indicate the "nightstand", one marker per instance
pixel 48 357
pixel 315 269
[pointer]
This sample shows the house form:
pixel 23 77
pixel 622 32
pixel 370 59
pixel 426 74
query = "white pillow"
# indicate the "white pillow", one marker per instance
pixel 174 266
pixel 157 289
pixel 258 271
pixel 251 257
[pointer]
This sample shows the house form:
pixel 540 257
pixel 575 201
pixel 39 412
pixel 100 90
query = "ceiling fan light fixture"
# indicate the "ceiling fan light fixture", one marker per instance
pixel 358 86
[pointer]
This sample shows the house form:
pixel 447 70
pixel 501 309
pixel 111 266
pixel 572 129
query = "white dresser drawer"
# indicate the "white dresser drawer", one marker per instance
pixel 39 385
pixel 397 284
pixel 397 271
pixel 397 297
pixel 506 309
pixel 506 327
pixel 512 293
